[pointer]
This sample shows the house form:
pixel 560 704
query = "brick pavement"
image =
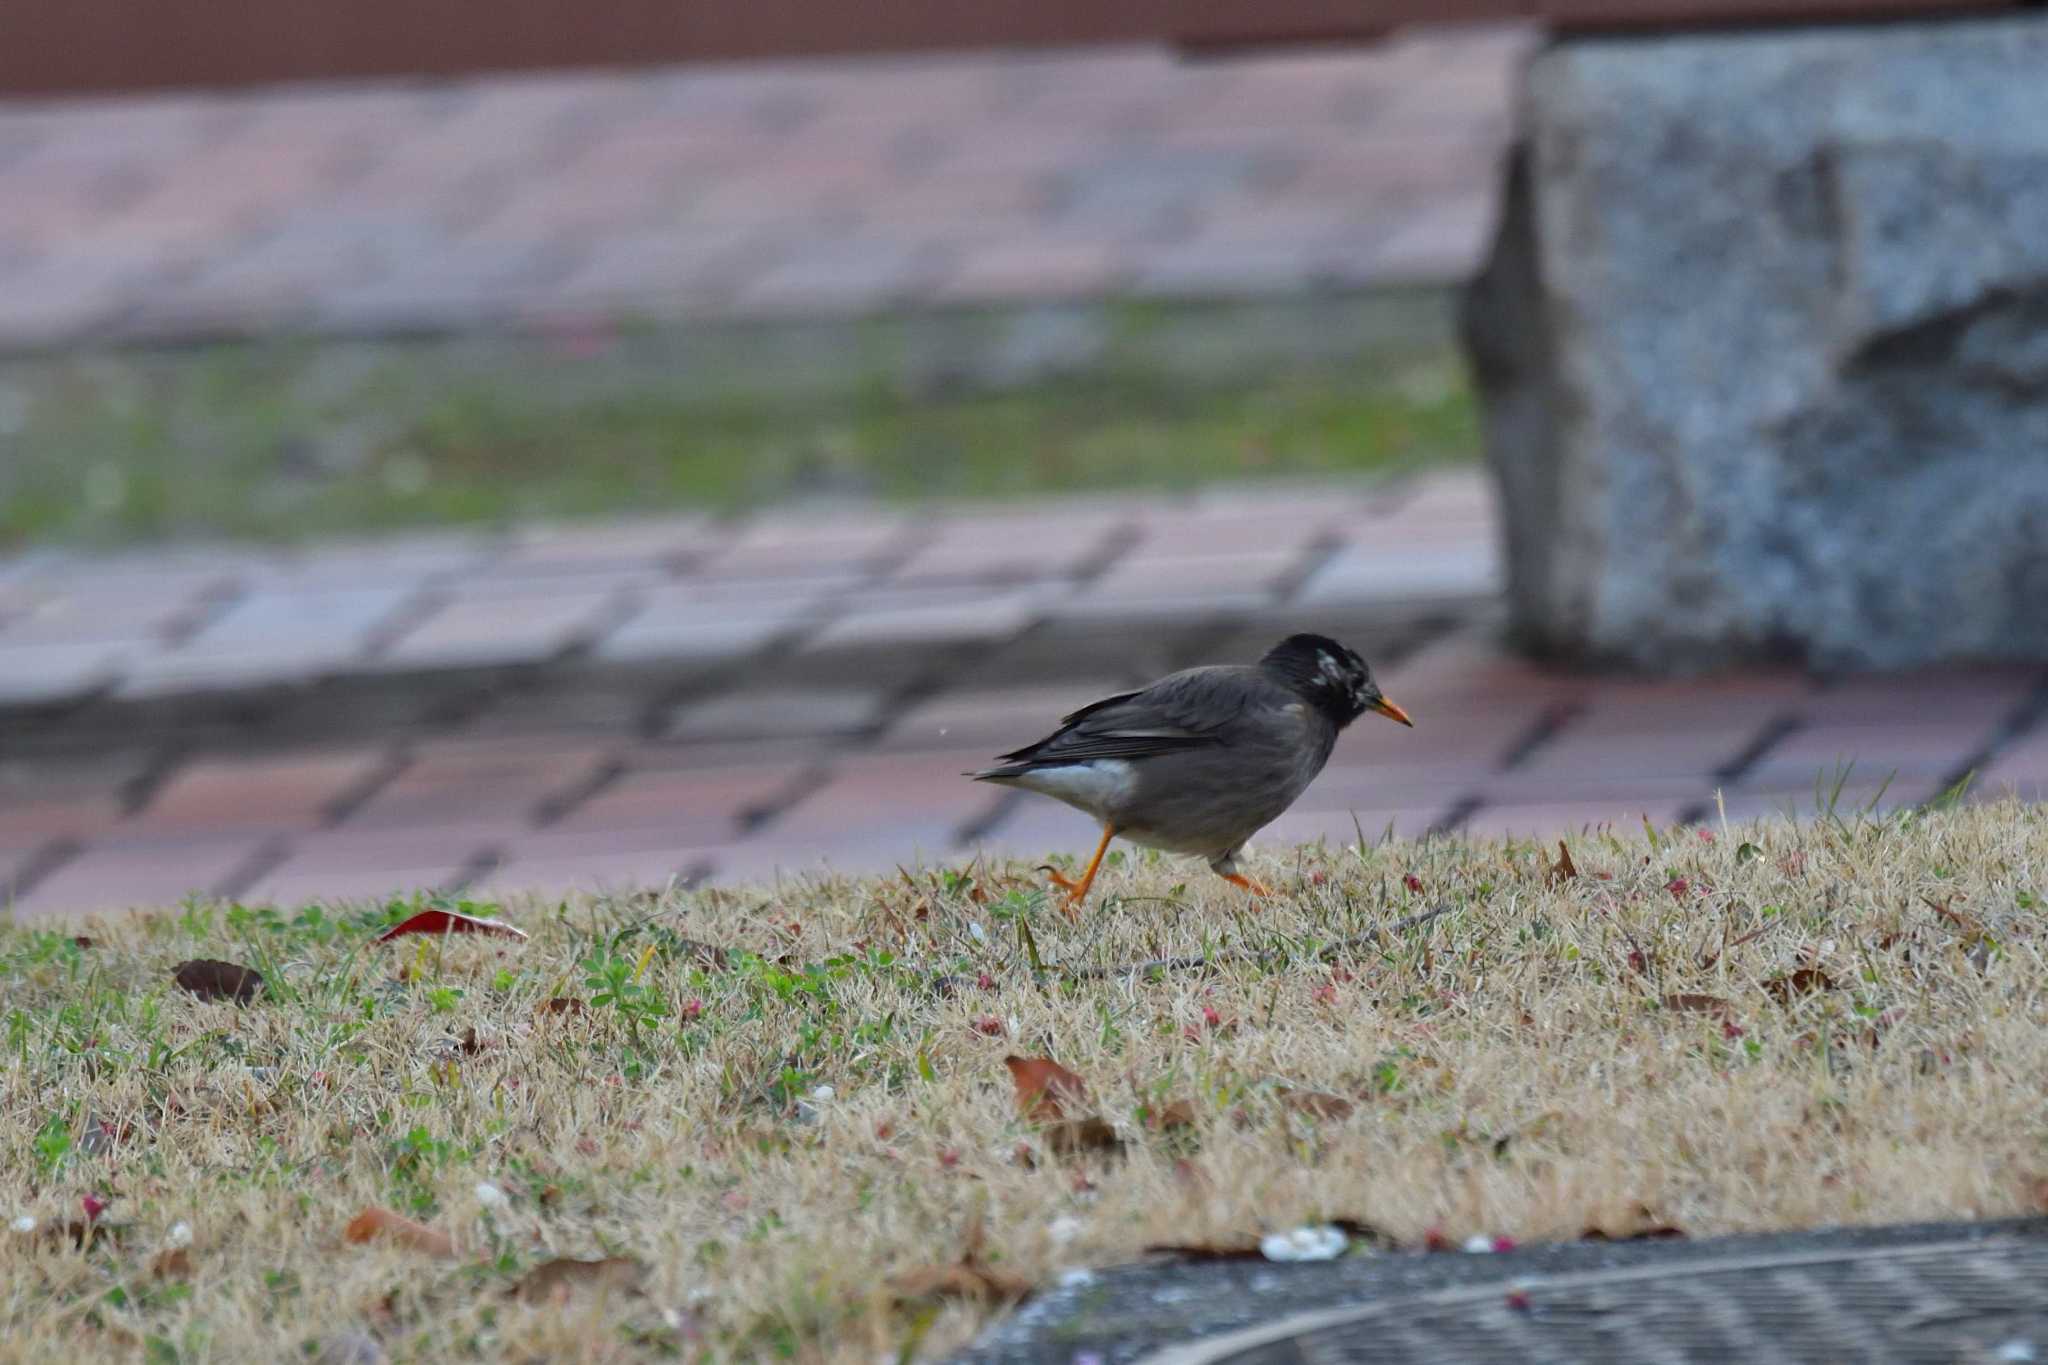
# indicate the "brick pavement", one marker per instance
pixel 759 190
pixel 555 710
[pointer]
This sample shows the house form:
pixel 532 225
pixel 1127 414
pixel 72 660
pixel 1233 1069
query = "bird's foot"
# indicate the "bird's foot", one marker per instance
pixel 1257 889
pixel 1052 874
pixel 1075 891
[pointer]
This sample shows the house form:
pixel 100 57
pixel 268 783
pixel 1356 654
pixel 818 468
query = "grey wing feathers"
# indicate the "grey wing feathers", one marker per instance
pixel 1184 711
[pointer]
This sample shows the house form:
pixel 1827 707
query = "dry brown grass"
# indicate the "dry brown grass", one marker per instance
pixel 1524 1065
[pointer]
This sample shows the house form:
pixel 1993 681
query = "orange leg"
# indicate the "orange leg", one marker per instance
pixel 1239 879
pixel 1077 890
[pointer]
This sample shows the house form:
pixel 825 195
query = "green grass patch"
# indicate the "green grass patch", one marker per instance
pixel 282 443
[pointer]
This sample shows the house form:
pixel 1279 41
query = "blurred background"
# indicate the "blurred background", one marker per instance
pixel 432 461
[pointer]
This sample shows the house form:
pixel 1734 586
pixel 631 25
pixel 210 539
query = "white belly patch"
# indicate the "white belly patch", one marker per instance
pixel 1096 787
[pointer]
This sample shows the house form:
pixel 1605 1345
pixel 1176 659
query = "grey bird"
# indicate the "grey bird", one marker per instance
pixel 1202 759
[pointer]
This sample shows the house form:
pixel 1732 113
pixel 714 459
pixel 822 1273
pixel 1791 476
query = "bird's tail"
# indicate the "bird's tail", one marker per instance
pixel 1008 772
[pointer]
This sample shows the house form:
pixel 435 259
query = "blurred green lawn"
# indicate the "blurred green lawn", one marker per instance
pixel 240 443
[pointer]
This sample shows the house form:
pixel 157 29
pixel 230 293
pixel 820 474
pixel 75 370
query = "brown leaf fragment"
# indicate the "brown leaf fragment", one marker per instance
pixel 172 1263
pixel 1317 1104
pixel 1660 1232
pixel 1253 1250
pixel 1688 1002
pixel 375 1222
pixel 967 1278
pixel 83 1234
pixel 1639 1223
pixel 1785 989
pixel 1206 1251
pixel 81 940
pixel 552 1281
pixel 1079 1137
pixel 213 980
pixel 1044 1087
pixel 1563 870
pixel 468 1045
pixel 561 1005
pixel 1175 1114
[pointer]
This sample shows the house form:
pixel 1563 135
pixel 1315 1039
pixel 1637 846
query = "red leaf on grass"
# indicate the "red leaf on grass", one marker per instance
pixel 1044 1087
pixel 375 1222
pixel 449 922
pixel 1044 1091
pixel 212 980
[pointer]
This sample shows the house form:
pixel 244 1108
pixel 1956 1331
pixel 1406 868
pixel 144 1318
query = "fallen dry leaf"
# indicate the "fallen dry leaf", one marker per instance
pixel 173 1263
pixel 556 1279
pixel 1563 870
pixel 1699 1004
pixel 449 922
pixel 213 980
pixel 1044 1087
pixel 561 1004
pixel 1316 1104
pixel 1177 1114
pixel 1253 1250
pixel 1785 989
pixel 82 1234
pixel 375 1222
pixel 468 1045
pixel 1078 1137
pixel 966 1278
pixel 1640 1223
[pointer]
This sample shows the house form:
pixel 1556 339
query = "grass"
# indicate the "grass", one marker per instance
pixel 270 444
pixel 1730 1029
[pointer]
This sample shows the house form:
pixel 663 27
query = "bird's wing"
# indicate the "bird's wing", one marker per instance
pixel 1184 711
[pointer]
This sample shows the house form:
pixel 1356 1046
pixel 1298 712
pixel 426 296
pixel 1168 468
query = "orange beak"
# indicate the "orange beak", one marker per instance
pixel 1392 712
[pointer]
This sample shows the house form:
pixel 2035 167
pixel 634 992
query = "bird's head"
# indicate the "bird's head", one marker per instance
pixel 1330 677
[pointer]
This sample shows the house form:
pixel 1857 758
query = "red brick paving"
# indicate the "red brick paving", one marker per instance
pixel 804 693
pixel 757 189
pixel 271 793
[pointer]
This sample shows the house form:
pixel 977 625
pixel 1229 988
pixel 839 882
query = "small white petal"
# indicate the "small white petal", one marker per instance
pixel 180 1235
pixel 1304 1244
pixel 980 934
pixel 491 1197
pixel 821 1093
pixel 1478 1242
pixel 25 1223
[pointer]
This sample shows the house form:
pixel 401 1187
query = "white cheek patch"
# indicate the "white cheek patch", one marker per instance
pixel 1332 671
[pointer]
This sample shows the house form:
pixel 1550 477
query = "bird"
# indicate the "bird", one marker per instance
pixel 1202 759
